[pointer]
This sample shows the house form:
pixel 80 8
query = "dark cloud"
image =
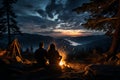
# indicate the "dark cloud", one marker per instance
pixel 68 16
pixel 42 13
pixel 47 15
pixel 52 8
pixel 48 32
pixel 64 12
pixel 70 4
pixel 28 6
pixel 43 26
pixel 34 24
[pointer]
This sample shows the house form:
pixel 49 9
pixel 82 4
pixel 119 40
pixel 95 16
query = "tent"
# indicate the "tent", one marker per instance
pixel 15 51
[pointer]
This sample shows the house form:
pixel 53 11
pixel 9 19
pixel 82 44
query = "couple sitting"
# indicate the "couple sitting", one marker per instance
pixel 52 55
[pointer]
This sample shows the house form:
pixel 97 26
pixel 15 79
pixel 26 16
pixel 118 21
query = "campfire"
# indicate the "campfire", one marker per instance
pixel 63 63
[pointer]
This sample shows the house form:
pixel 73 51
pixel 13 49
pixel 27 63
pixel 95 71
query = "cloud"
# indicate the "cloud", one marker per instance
pixel 54 7
pixel 63 10
pixel 34 24
pixel 48 32
pixel 42 13
pixel 43 16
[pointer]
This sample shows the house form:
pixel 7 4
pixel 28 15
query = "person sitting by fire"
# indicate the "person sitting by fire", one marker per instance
pixel 40 55
pixel 53 56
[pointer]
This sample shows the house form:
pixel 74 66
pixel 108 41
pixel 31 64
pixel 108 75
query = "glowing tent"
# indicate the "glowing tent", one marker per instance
pixel 15 50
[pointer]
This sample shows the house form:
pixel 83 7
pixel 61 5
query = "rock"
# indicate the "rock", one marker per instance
pixel 103 72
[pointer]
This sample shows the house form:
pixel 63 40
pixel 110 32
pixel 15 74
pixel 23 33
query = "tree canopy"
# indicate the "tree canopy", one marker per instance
pixel 8 23
pixel 103 14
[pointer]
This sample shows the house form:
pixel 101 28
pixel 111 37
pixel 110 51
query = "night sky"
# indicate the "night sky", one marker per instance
pixel 51 17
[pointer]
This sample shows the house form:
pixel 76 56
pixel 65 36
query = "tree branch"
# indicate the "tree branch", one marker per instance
pixel 106 19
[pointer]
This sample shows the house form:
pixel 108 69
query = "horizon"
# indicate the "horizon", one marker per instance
pixel 64 36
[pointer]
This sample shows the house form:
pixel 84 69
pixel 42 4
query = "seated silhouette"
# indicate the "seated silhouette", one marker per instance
pixel 53 56
pixel 40 55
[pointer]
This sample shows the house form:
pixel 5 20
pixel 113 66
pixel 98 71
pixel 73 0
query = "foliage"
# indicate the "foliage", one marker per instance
pixel 103 14
pixel 8 22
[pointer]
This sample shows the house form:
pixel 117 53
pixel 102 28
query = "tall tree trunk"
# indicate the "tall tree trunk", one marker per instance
pixel 8 25
pixel 115 40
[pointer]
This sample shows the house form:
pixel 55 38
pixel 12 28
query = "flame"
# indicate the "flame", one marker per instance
pixel 63 63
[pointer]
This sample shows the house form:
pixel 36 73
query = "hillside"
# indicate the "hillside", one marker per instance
pixel 69 44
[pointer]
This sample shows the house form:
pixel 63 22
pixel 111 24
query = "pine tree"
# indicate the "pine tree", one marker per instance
pixel 8 22
pixel 105 16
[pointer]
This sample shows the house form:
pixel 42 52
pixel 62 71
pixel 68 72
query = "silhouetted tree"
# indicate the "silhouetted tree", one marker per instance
pixel 8 22
pixel 105 16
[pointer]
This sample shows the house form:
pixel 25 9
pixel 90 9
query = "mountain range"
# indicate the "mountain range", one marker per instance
pixel 70 44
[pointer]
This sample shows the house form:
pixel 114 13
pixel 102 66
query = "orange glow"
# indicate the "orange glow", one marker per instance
pixel 63 62
pixel 73 33
pixel 2 53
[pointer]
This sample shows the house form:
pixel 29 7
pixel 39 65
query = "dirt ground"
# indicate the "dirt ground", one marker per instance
pixel 75 71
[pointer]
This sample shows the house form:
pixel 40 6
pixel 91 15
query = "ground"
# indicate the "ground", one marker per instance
pixel 75 71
